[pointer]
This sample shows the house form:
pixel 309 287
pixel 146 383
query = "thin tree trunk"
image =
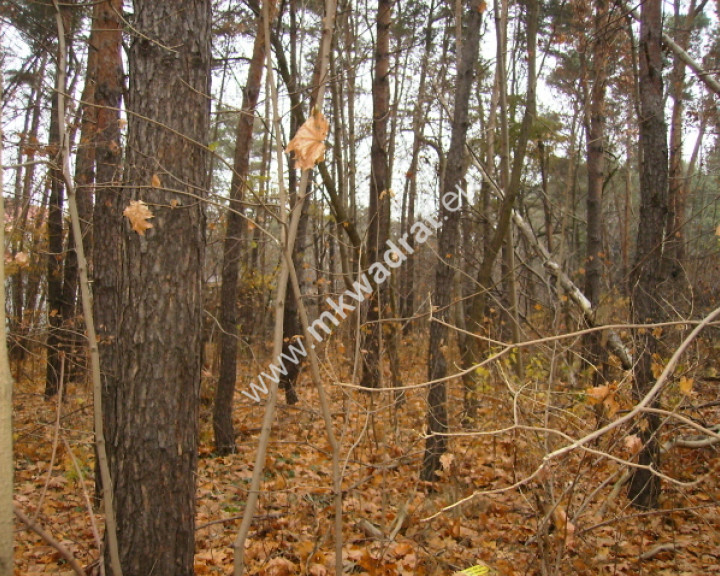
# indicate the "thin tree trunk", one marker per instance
pixel 407 272
pixel 106 40
pixel 55 255
pixel 235 230
pixel 595 142
pixel 676 177
pixel 6 408
pixel 71 341
pixel 379 205
pixel 514 179
pixel 647 277
pixel 436 442
pixel 18 323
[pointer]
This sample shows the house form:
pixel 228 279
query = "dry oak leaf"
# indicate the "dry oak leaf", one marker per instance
pixel 138 213
pixel 633 443
pixel 309 142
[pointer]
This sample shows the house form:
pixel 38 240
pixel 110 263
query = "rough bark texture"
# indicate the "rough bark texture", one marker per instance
pixel 71 342
pixel 291 320
pixel 647 275
pixel 379 205
pixel 234 233
pixel 153 435
pixel 55 257
pixel 436 443
pixel 106 41
pixel 595 143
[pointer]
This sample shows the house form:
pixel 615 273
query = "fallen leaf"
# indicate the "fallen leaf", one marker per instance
pixel 138 213
pixel 279 567
pixel 309 142
pixel 686 385
pixel 446 460
pixel 633 443
pixel 597 394
pixel 563 525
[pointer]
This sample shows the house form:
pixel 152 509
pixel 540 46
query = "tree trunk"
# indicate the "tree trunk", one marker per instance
pixel 153 435
pixel 55 254
pixel 677 188
pixel 646 278
pixel 407 272
pixel 106 40
pixel 379 205
pixel 595 143
pixel 71 342
pixel 6 408
pixel 18 323
pixel 234 233
pixel 291 319
pixel 436 443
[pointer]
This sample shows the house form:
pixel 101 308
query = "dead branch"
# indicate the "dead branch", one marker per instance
pixel 50 541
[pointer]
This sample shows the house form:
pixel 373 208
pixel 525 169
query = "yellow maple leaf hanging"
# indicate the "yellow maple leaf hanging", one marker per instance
pixel 309 142
pixel 138 213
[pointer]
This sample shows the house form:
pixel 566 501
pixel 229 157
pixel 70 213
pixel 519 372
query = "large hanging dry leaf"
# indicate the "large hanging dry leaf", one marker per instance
pixel 309 142
pixel 138 213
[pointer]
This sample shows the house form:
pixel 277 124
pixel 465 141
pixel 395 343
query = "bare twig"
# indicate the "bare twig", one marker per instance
pixel 48 538
pixel 88 505
pixel 288 237
pixel 56 438
pixel 647 399
pixel 655 550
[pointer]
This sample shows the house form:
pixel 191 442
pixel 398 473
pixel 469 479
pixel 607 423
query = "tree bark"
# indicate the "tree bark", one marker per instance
pixel 407 272
pixel 24 308
pixel 106 40
pixel 235 231
pixel 595 85
pixel 646 277
pixel 379 204
pixel 437 423
pixel 153 435
pixel 71 341
pixel 55 255
pixel 677 188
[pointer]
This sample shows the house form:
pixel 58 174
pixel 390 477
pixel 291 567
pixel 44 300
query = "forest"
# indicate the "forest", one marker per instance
pixel 344 287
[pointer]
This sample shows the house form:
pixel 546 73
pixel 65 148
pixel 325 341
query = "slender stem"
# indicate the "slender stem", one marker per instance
pixel 288 241
pixel 6 387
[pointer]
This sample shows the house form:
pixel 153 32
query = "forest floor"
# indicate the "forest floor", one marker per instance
pixel 565 520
